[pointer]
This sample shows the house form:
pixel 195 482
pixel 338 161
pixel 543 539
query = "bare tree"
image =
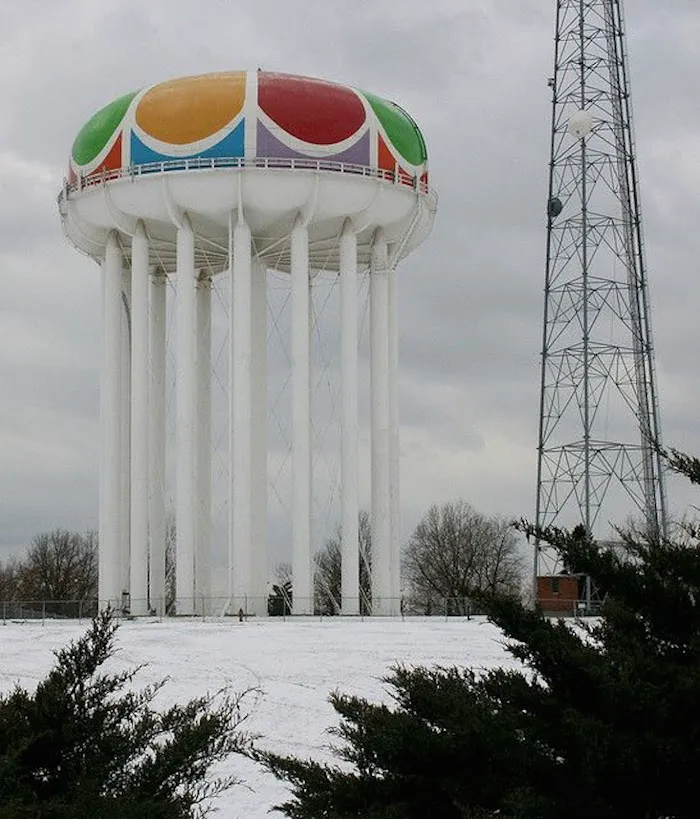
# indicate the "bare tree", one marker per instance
pixel 456 551
pixel 170 562
pixel 59 565
pixel 279 603
pixel 9 574
pixel 327 571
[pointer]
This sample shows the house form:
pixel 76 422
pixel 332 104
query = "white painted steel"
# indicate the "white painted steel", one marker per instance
pixel 258 480
pixel 125 438
pixel 350 507
pixel 156 442
pixel 100 219
pixel 110 422
pixel 203 523
pixel 267 195
pixel 186 385
pixel 241 414
pixel 394 444
pixel 138 558
pixel 380 420
pixel 301 422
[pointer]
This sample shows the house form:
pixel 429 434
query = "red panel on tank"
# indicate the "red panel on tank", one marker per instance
pixel 317 112
pixel 113 160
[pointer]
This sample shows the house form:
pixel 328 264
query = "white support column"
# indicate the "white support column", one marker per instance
pixel 258 481
pixel 156 443
pixel 110 422
pixel 125 438
pixel 186 385
pixel 380 419
pixel 350 570
pixel 203 511
pixel 139 422
pixel 240 416
pixel 301 422
pixel 394 444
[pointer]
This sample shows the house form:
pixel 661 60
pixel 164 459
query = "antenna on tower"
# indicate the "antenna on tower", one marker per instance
pixel 599 429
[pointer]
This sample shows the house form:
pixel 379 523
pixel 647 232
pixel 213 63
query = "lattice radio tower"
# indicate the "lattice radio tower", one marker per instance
pixel 599 432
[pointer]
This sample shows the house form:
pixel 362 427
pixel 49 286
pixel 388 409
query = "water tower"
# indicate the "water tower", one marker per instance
pixel 239 174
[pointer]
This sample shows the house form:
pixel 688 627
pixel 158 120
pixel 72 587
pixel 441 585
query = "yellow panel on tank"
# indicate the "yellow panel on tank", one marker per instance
pixel 190 109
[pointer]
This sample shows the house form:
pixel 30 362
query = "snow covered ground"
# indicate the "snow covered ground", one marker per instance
pixel 295 665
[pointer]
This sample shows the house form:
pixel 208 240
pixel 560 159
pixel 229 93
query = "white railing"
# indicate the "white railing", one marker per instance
pixel 394 177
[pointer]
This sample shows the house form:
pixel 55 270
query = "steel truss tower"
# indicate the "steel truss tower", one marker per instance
pixel 599 429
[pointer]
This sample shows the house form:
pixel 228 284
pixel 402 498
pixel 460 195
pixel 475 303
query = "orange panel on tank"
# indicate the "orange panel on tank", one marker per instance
pixel 385 159
pixel 113 160
pixel 192 108
pixel 387 162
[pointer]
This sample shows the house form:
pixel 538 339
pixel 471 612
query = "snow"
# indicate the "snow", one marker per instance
pixel 294 664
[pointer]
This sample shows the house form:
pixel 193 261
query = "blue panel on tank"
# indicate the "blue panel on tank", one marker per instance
pixel 232 145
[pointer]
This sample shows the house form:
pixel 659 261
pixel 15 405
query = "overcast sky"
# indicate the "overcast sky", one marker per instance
pixel 474 75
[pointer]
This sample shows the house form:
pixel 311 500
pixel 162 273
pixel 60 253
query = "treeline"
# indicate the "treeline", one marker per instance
pixel 454 554
pixel 58 565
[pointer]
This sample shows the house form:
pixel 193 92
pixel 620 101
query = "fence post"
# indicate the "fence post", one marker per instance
pixel 43 612
pixel 80 611
pixel 4 612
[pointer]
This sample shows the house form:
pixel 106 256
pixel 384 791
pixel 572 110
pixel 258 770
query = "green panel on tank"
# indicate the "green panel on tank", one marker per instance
pixel 400 128
pixel 98 130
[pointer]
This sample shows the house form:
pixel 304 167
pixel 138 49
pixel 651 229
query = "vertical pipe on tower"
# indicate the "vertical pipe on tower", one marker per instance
pixel 156 444
pixel 380 421
pixel 186 384
pixel 203 466
pixel 241 410
pixel 125 440
pixel 301 421
pixel 394 443
pixel 110 422
pixel 138 560
pixel 258 481
pixel 350 565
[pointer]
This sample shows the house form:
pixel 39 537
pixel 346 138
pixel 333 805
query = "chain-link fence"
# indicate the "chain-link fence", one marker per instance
pixel 276 605
pixel 563 607
pixel 24 610
pixel 281 605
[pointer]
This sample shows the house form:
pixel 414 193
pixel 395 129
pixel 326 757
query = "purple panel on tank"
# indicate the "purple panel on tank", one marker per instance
pixel 269 146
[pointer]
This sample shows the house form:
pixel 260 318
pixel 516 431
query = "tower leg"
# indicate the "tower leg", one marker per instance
pixel 301 421
pixel 240 415
pixel 109 584
pixel 350 571
pixel 380 419
pixel 203 511
pixel 394 444
pixel 156 442
pixel 258 480
pixel 138 561
pixel 186 495
pixel 125 442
